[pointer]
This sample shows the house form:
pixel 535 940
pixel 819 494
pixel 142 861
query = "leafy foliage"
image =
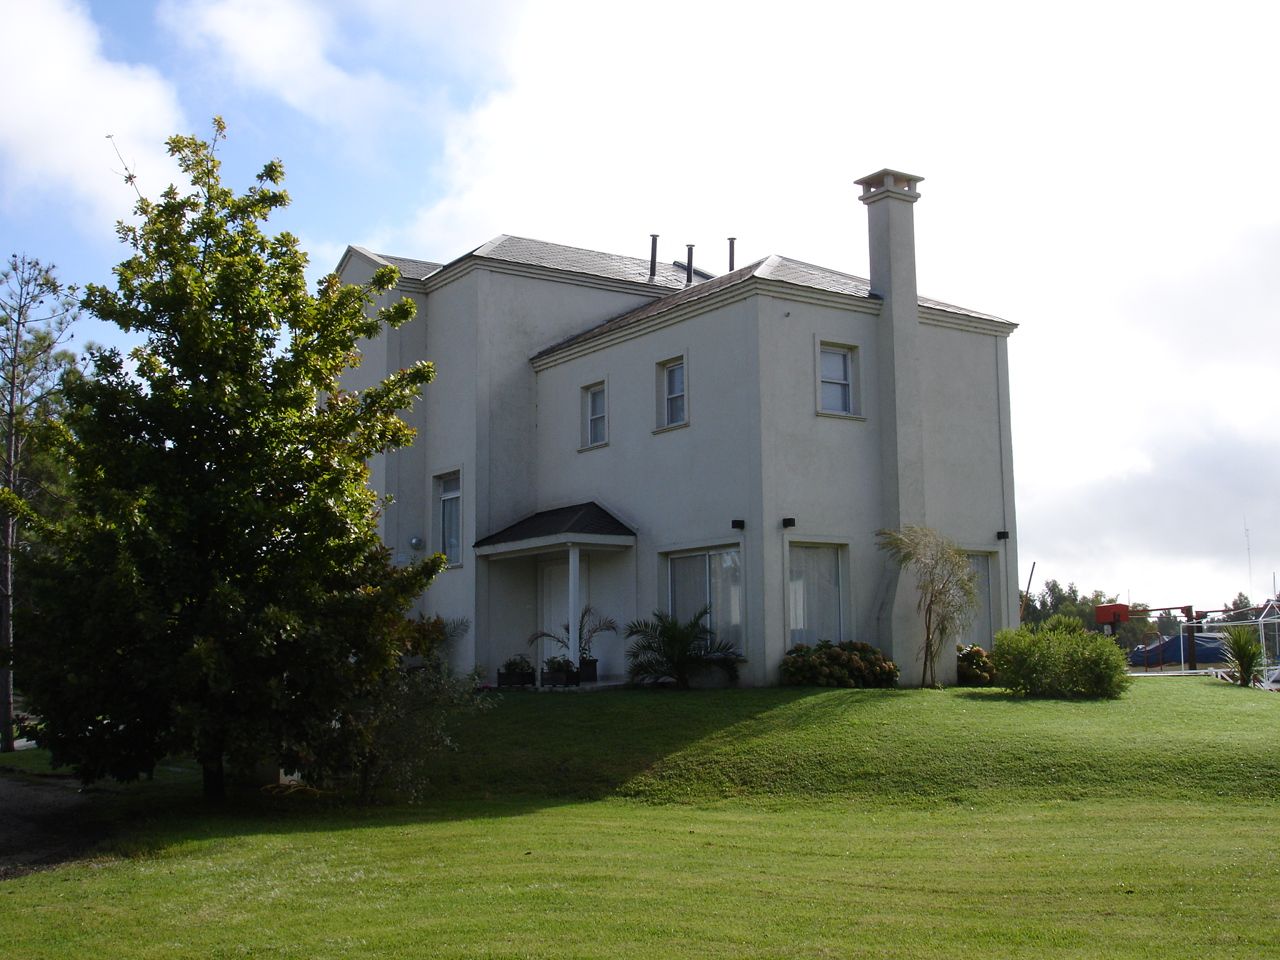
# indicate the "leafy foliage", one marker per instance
pixel 667 648
pixel 1060 658
pixel 945 581
pixel 36 313
pixel 407 719
pixel 558 664
pixel 591 624
pixel 517 664
pixel 1244 654
pixel 233 598
pixel 974 667
pixel 1237 610
pixel 827 664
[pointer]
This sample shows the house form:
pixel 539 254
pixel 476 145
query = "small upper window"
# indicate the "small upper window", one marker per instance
pixel 672 406
pixel 450 492
pixel 838 380
pixel 595 421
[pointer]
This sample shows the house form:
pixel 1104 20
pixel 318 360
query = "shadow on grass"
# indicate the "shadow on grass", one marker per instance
pixel 529 752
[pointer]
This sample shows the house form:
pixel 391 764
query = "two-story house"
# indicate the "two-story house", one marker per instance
pixel 641 436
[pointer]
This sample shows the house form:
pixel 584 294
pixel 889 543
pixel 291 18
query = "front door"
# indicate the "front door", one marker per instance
pixel 553 601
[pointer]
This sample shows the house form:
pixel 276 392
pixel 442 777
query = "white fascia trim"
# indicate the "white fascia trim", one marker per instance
pixel 557 542
pixel 730 295
pixel 955 321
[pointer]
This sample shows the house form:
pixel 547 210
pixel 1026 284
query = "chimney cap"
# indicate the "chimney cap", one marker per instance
pixel 888 182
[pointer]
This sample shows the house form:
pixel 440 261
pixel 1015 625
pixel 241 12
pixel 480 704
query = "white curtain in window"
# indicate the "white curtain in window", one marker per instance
pixel 688 585
pixel 814 594
pixel 710 579
pixel 724 589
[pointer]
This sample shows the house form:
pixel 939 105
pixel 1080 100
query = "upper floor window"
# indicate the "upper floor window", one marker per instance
pixel 838 380
pixel 449 495
pixel 595 421
pixel 673 407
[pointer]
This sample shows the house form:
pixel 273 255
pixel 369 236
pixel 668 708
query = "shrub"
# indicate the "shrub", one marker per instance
pixel 558 664
pixel 974 667
pixel 517 664
pixel 1060 658
pixel 830 664
pixel 666 648
pixel 1244 654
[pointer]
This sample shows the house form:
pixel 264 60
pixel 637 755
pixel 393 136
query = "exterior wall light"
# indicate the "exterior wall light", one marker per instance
pixel 788 522
pixel 739 524
pixel 1002 534
pixel 417 543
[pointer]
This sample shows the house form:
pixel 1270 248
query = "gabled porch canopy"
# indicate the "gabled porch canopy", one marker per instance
pixel 563 530
pixel 552 531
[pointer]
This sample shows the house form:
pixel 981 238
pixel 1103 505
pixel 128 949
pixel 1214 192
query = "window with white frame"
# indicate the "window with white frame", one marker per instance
pixel 595 421
pixel 449 515
pixel 838 389
pixel 673 407
pixel 710 578
pixel 815 602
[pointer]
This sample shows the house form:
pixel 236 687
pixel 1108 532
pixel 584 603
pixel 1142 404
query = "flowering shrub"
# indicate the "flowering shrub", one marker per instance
pixel 828 664
pixel 974 667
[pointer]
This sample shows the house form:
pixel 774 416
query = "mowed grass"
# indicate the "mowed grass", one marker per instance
pixel 735 824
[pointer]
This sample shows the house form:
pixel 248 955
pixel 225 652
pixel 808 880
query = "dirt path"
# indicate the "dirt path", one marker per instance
pixel 43 821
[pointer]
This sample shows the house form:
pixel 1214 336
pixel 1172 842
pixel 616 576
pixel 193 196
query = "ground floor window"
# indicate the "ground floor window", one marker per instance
pixel 711 578
pixel 815 605
pixel 983 627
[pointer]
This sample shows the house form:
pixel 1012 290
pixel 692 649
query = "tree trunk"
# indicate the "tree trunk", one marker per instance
pixel 7 544
pixel 214 779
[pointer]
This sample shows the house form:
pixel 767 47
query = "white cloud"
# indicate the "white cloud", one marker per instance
pixel 65 97
pixel 286 49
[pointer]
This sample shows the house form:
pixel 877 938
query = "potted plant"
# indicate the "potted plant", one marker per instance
pixel 590 624
pixel 516 671
pixel 559 672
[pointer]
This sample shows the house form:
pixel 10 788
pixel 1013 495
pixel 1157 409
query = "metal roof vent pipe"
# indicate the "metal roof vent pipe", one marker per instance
pixel 688 266
pixel 731 241
pixel 653 256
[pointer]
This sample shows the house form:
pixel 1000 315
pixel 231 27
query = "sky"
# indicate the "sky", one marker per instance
pixel 1102 174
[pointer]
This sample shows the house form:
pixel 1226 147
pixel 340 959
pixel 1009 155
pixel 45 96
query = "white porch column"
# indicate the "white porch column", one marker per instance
pixel 575 605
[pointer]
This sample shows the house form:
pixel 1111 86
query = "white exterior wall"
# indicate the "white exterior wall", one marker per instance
pixel 822 470
pixel 968 451
pixel 679 488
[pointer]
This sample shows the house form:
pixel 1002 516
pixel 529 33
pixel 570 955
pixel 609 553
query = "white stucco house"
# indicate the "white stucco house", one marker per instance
pixel 641 436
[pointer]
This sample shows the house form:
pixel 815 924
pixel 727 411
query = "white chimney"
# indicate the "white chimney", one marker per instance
pixel 890 196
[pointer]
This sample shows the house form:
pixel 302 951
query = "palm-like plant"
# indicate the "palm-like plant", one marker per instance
pixel 1244 653
pixel 590 624
pixel 667 648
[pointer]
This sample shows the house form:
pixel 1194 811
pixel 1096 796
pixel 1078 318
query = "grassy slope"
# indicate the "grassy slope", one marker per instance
pixel 1168 739
pixel 877 824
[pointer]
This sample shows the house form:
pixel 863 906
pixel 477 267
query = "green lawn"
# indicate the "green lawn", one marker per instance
pixel 774 823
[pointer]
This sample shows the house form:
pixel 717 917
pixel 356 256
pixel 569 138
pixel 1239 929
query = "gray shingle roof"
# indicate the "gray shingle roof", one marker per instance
pixel 776 268
pixel 411 269
pixel 589 517
pixel 578 260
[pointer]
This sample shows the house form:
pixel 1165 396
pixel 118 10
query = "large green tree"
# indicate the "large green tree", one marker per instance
pixel 36 313
pixel 221 588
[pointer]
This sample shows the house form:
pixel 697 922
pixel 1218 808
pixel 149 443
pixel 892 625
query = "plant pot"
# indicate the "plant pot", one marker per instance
pixel 560 678
pixel 587 670
pixel 516 678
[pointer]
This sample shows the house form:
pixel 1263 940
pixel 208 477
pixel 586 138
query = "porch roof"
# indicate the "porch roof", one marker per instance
pixel 584 524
